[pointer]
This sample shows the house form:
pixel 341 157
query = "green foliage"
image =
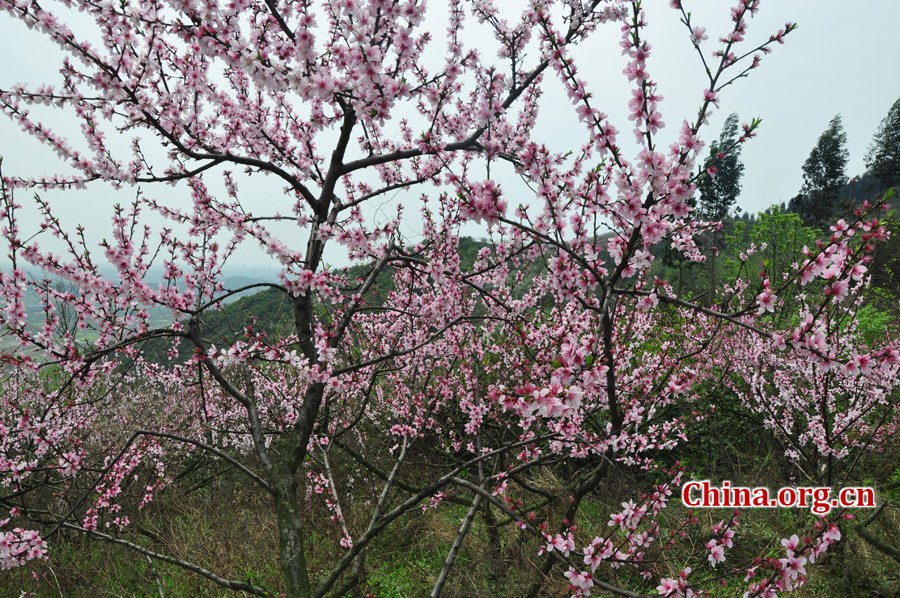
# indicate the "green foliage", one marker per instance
pixel 883 157
pixel 727 441
pixel 874 324
pixel 824 172
pixel 779 238
pixel 718 193
pixel 468 252
pixel 885 265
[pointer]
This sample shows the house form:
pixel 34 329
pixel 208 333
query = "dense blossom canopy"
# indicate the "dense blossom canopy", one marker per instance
pixel 556 345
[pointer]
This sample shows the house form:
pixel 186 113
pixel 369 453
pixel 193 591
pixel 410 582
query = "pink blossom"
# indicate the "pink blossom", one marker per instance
pixel 767 301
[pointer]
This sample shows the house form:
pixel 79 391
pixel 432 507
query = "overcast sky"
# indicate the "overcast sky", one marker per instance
pixel 843 59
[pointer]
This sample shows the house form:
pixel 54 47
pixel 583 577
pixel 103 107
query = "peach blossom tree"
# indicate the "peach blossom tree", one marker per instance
pixel 505 366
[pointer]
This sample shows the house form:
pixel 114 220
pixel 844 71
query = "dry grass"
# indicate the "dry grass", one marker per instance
pixel 228 527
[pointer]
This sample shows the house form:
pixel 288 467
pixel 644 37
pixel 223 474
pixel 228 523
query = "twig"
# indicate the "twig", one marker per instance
pixel 454 549
pixel 226 583
pixel 155 573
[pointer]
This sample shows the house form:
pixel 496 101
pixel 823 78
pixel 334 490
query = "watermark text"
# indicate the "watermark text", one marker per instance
pixel 820 500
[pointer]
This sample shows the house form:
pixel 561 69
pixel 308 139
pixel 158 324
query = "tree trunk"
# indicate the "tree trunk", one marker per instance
pixel 290 534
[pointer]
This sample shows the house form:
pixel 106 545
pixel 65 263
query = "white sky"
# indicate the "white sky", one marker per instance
pixel 844 58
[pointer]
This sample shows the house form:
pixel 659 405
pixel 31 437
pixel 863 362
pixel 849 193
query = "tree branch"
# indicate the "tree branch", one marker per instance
pixel 225 583
pixel 266 486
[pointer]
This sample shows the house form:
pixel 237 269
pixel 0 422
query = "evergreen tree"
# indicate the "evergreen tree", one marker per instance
pixel 883 157
pixel 823 175
pixel 718 193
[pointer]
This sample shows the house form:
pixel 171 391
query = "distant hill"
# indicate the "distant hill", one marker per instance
pixel 268 311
